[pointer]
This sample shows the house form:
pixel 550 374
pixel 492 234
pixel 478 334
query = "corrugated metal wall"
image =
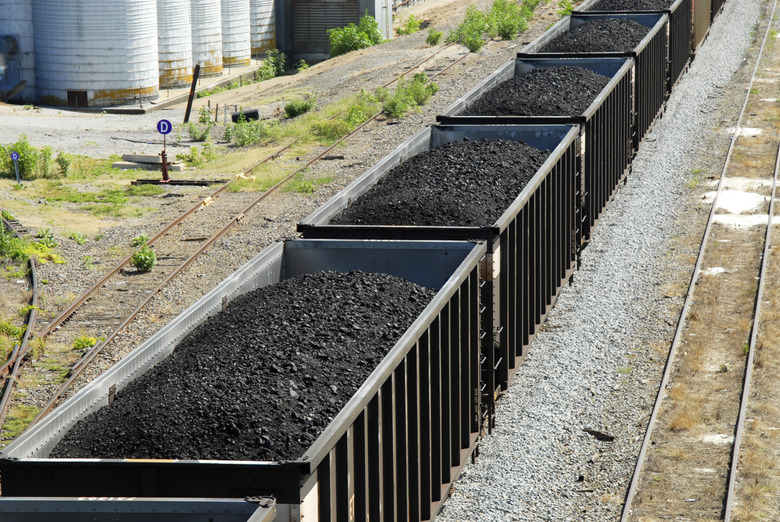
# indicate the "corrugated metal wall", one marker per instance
pixel 16 21
pixel 263 25
pixel 207 36
pixel 236 41
pixel 174 40
pixel 313 18
pixel 93 52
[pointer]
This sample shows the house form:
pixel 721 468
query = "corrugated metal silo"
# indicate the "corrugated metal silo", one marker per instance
pixel 207 36
pixel 95 53
pixel 236 40
pixel 263 25
pixel 17 63
pixel 174 40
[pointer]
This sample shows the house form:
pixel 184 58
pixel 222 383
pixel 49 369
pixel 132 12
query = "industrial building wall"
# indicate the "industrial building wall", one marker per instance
pixel 16 21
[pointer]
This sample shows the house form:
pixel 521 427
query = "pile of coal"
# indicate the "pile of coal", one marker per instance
pixel 464 183
pixel 631 5
pixel 552 91
pixel 260 380
pixel 607 35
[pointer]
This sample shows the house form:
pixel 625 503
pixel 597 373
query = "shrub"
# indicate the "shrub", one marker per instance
pixel 354 37
pixel 28 159
pixel 274 65
pixel 434 37
pixel 140 240
pixel 565 7
pixel 144 259
pixel 407 97
pixel 64 161
pixel 197 134
pixel 77 237
pixel 83 342
pixel 298 107
pixel 412 25
pixel 247 132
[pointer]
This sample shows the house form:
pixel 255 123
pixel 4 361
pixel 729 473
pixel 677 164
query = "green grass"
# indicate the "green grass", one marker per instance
pixel 305 186
pixel 19 417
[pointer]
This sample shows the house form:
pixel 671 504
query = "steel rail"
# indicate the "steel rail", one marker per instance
pixel 752 350
pixel 16 359
pixel 82 363
pixel 689 295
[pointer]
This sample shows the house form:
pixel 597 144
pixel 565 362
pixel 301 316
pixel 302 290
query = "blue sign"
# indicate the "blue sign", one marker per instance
pixel 15 156
pixel 164 127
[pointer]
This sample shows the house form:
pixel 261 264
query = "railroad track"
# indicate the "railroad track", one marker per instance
pixel 718 383
pixel 118 297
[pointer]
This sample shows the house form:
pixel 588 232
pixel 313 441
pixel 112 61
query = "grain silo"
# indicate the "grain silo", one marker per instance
pixel 17 51
pixel 263 25
pixel 174 42
pixel 236 40
pixel 207 36
pixel 95 53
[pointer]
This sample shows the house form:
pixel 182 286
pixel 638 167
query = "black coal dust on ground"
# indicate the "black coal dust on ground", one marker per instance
pixel 262 379
pixel 631 5
pixel 553 91
pixel 614 35
pixel 464 183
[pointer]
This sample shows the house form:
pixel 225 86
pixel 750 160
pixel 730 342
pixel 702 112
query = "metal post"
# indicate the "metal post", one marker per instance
pixel 164 156
pixel 195 74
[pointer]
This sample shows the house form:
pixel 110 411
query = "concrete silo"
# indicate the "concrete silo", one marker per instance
pixel 263 25
pixel 207 36
pixel 174 42
pixel 95 53
pixel 17 50
pixel 236 40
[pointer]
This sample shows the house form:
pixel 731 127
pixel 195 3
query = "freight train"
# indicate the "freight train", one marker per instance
pixel 394 449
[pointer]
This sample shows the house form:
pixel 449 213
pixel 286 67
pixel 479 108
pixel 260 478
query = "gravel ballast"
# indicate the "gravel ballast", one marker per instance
pixel 466 183
pixel 609 35
pixel 597 362
pixel 262 379
pixel 552 91
pixel 631 5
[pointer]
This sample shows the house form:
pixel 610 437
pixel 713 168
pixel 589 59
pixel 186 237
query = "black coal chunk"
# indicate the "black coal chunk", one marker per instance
pixel 553 91
pixel 262 379
pixel 631 5
pixel 465 183
pixel 613 35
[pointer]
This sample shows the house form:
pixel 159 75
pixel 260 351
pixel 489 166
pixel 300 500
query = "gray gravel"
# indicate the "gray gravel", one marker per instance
pixel 596 356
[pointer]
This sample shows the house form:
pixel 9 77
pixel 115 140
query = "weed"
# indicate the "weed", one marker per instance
pixel 83 342
pixel 434 37
pixel 198 134
pixel 18 419
pixel 298 107
pixel 248 132
pixel 140 240
pixel 204 115
pixel 144 190
pixel 6 215
pixel 565 7
pixel 412 25
pixel 353 37
pixel 89 263
pixel 409 96
pixel 144 259
pixel 303 186
pixel 302 65
pixel 624 370
pixel 77 237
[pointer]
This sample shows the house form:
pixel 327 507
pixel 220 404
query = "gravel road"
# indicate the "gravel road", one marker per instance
pixel 597 362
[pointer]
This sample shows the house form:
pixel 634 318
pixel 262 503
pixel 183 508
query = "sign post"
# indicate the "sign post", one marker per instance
pixel 15 157
pixel 164 127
